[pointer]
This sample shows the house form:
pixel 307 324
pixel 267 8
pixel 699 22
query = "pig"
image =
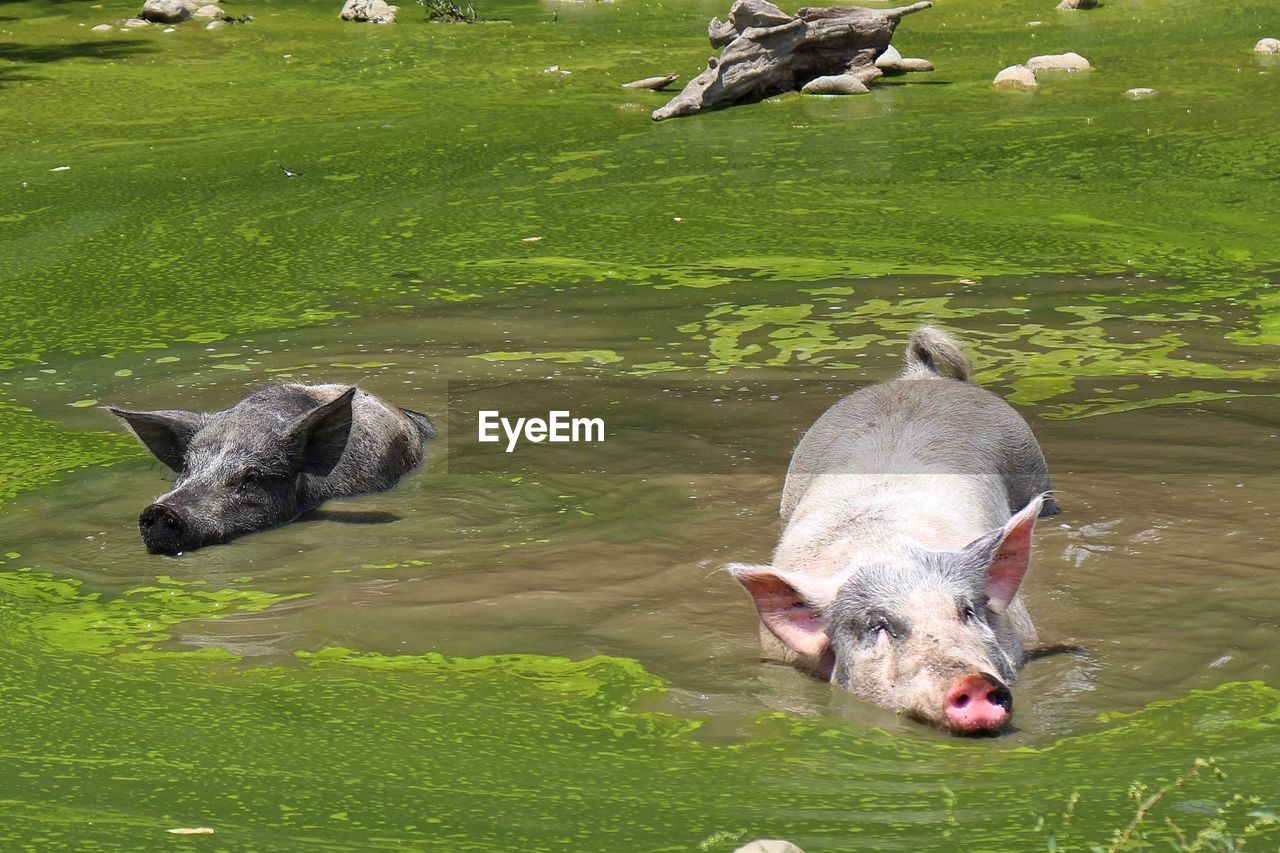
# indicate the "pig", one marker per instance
pixel 907 513
pixel 279 452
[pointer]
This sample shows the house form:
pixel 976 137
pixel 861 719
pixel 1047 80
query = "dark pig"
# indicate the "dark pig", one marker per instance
pixel 908 511
pixel 279 452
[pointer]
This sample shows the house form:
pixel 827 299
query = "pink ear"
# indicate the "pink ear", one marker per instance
pixel 1009 566
pixel 790 605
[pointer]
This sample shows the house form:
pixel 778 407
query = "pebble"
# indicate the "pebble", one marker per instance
pixel 1267 46
pixel 135 23
pixel 1015 77
pixel 1078 4
pixel 214 25
pixel 102 28
pixel 209 11
pixel 1141 93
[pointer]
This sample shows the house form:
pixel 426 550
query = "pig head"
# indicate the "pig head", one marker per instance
pixel 933 635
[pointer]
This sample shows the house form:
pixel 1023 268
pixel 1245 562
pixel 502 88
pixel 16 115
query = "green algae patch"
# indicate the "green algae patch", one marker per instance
pixel 70 620
pixel 36 452
pixel 523 752
pixel 596 356
pixel 611 684
pixel 947 177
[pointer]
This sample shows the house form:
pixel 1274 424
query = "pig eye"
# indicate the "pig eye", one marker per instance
pixel 881 624
pixel 967 613
pixel 252 476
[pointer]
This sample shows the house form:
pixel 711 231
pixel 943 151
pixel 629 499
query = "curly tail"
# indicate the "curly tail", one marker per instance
pixel 930 351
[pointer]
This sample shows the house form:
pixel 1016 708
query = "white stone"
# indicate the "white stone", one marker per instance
pixel 102 28
pixel 209 11
pixel 890 58
pixel 135 23
pixel 215 25
pixel 769 845
pixel 1267 46
pixel 1141 93
pixel 373 11
pixel 1015 77
pixel 1059 62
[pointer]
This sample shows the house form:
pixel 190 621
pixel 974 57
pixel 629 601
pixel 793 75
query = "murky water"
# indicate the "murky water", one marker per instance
pixel 1159 567
pixel 539 651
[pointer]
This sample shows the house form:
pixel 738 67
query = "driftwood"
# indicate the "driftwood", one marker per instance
pixel 766 52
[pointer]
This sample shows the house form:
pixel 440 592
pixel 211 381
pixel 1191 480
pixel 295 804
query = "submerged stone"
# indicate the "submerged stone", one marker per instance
pixel 1267 45
pixel 1141 93
pixel 1078 4
pixel 209 11
pixel 915 64
pixel 135 23
pixel 102 28
pixel 1015 77
pixel 835 84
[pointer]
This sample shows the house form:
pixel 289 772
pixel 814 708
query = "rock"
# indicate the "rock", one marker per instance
pixel 1141 93
pixel 652 82
pixel 1078 4
pixel 889 58
pixel 1058 62
pixel 910 64
pixel 835 84
pixel 215 25
pixel 135 23
pixel 168 11
pixel 892 62
pixel 769 845
pixel 102 28
pixel 1015 77
pixel 209 11
pixel 169 30
pixel 372 11
pixel 867 73
pixel 1267 46
pixel 768 52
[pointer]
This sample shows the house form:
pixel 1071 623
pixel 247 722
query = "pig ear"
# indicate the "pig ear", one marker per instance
pixel 1006 553
pixel 790 605
pixel 166 433
pixel 318 438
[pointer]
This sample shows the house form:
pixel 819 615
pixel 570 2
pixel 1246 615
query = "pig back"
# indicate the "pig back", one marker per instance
pixel 921 427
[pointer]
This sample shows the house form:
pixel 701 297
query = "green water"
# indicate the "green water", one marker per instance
pixel 551 661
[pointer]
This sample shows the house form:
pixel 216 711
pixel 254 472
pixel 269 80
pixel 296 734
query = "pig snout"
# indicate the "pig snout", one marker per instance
pixel 977 704
pixel 164 530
